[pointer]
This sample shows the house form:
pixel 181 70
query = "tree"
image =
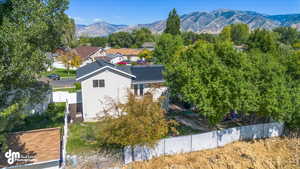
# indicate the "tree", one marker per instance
pixel 147 54
pixel 98 41
pixel 173 23
pixel 211 77
pixel 139 121
pixel 263 40
pixel 287 35
pixel 166 47
pixel 240 33
pixel 226 33
pixel 121 40
pixel 70 59
pixel 141 36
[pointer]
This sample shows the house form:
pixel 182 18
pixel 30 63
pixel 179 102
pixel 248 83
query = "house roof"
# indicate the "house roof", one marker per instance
pixel 139 74
pixel 43 145
pixel 85 51
pixel 148 45
pixel 97 66
pixel 124 51
pixel 147 73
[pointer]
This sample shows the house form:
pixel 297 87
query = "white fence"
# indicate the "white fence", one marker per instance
pixel 197 142
pixel 65 137
pixel 63 96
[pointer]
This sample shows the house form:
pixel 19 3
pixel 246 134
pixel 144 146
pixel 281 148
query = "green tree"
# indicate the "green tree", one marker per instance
pixel 166 48
pixel 98 41
pixel 287 35
pixel 263 39
pixel 121 40
pixel 28 29
pixel 189 37
pixel 141 36
pixel 226 33
pixel 238 33
pixel 173 23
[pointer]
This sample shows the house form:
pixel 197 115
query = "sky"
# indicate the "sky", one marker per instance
pixel 131 12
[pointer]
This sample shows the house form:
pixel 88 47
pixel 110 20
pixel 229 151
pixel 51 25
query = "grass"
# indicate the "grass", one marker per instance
pixel 186 130
pixel 52 117
pixel 82 138
pixel 70 90
pixel 62 73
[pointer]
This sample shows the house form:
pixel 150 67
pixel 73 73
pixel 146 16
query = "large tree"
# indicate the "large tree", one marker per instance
pixel 166 47
pixel 28 30
pixel 173 23
pixel 141 36
pixel 121 40
pixel 218 79
pixel 288 35
pixel 238 33
pixel 264 40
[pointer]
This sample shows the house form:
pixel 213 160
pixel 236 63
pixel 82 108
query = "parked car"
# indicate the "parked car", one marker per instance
pixel 54 76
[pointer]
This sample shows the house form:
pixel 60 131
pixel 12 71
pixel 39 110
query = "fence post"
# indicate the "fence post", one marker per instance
pixel 65 137
pixel 191 143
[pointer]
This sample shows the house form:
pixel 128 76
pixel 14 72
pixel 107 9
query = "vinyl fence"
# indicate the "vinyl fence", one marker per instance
pixel 63 96
pixel 197 142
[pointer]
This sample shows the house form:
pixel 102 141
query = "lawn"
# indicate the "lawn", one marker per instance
pixel 52 117
pixel 82 138
pixel 70 90
pixel 62 73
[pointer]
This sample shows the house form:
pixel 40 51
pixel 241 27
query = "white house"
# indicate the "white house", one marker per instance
pixel 102 82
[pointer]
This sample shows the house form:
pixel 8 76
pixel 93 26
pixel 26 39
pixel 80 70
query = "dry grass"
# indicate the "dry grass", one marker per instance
pixel 276 153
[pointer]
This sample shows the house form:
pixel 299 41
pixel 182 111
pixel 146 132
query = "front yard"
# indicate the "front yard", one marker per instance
pixel 63 73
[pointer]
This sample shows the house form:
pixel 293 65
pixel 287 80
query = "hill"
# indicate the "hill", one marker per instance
pixel 200 22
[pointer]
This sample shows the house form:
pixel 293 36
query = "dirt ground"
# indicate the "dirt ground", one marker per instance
pixel 276 153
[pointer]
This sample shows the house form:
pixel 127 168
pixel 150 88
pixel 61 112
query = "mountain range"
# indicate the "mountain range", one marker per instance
pixel 199 22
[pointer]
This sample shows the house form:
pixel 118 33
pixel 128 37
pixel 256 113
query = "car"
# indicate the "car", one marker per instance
pixel 54 76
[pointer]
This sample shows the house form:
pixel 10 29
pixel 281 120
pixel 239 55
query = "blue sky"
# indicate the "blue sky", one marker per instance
pixel 132 12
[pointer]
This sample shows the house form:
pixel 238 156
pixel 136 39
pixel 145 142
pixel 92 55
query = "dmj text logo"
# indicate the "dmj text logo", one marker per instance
pixel 12 156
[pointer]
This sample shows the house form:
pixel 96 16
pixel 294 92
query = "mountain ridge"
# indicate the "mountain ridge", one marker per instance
pixel 200 22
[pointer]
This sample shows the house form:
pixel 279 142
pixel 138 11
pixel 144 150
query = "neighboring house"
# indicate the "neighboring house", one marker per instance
pixel 127 53
pixel 102 82
pixel 149 45
pixel 33 149
pixel 87 54
pixel 112 58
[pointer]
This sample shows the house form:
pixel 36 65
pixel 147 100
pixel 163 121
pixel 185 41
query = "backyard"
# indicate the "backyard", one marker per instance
pixel 52 117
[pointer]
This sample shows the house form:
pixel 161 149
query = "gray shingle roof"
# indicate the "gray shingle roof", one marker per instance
pixel 147 73
pixel 142 74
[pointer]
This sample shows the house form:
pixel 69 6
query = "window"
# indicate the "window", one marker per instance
pixel 98 83
pixel 135 87
pixel 141 89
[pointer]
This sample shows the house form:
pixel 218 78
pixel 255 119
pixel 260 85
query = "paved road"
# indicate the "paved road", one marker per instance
pixel 62 83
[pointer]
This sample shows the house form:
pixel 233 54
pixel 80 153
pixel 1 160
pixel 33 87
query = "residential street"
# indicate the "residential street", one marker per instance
pixel 62 83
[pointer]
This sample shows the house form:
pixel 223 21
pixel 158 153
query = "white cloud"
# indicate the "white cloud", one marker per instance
pixel 97 20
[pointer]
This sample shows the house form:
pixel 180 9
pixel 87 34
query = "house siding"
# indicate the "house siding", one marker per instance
pixel 95 100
